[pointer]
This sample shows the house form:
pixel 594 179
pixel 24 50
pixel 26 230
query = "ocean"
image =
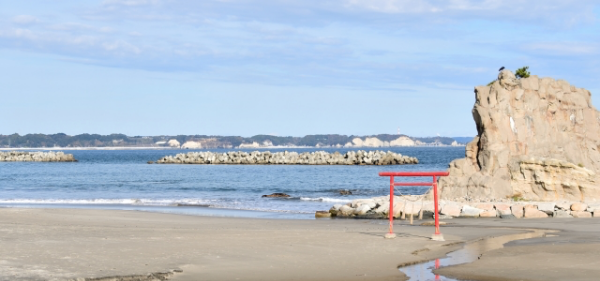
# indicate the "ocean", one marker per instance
pixel 122 179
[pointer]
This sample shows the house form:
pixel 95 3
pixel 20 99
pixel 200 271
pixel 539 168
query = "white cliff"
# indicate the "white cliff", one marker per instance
pixel 173 143
pixel 192 145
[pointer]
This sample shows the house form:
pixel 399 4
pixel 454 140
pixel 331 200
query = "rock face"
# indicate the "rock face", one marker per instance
pixel 291 158
pixel 538 139
pixel 19 156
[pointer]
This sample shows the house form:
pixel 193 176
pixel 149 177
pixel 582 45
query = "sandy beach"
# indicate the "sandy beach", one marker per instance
pixel 66 244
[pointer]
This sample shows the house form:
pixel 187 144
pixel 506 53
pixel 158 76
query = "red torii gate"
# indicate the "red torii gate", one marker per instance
pixel 437 235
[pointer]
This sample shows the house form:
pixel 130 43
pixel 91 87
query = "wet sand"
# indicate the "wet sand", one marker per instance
pixel 571 253
pixel 63 244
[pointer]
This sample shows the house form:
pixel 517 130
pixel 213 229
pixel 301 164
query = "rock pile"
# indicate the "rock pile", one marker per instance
pixel 538 139
pixel 291 158
pixel 21 156
pixel 404 206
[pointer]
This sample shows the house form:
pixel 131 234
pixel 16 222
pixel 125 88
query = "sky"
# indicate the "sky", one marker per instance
pixel 278 67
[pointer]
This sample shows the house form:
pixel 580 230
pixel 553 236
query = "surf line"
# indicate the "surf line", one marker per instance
pixel 470 252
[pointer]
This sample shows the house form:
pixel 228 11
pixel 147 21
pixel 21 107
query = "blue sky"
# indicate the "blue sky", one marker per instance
pixel 247 67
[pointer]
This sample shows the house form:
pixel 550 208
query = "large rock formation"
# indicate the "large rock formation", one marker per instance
pixel 538 139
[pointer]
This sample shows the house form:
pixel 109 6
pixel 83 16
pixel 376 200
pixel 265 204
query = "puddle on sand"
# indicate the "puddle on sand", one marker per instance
pixel 469 253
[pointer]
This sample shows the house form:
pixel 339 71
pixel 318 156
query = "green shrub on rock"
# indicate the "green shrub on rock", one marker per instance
pixel 522 72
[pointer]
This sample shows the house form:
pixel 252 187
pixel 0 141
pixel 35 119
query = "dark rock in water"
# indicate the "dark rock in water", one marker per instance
pixel 277 194
pixel 345 192
pixel 150 162
pixel 322 214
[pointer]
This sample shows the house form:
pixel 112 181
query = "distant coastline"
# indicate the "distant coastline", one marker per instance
pixel 87 148
pixel 175 148
pixel 194 142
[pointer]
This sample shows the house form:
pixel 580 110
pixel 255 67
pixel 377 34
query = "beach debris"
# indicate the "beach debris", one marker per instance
pixel 23 156
pixel 277 195
pixel 359 157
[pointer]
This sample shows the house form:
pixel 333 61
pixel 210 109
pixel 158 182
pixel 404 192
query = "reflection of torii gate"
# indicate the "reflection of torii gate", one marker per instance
pixel 437 235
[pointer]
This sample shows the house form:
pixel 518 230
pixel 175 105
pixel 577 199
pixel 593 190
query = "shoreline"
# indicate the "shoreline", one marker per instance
pixel 568 252
pixel 82 243
pixel 192 210
pixel 208 149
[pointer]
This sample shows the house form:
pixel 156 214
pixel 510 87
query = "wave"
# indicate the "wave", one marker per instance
pixel 325 199
pixel 147 202
pixel 215 204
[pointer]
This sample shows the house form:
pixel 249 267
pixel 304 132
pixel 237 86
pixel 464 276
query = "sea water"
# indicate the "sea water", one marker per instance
pixel 122 179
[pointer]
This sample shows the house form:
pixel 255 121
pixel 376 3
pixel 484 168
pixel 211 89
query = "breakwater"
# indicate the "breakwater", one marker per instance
pixel 291 158
pixel 419 206
pixel 22 156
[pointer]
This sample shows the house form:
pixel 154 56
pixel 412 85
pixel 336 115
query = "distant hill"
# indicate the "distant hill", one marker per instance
pixel 205 141
pixel 463 140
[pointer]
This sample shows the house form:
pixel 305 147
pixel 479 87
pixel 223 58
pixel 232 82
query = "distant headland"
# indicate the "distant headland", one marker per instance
pixel 121 141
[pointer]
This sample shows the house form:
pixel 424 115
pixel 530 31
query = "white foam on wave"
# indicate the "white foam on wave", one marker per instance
pixel 150 202
pixel 172 202
pixel 325 199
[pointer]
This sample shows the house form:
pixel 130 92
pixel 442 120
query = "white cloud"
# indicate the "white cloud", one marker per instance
pixel 563 48
pixel 121 47
pixel 130 2
pixel 79 27
pixel 25 19
pixel 339 42
pixel 18 33
pixel 393 6
pixel 569 11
